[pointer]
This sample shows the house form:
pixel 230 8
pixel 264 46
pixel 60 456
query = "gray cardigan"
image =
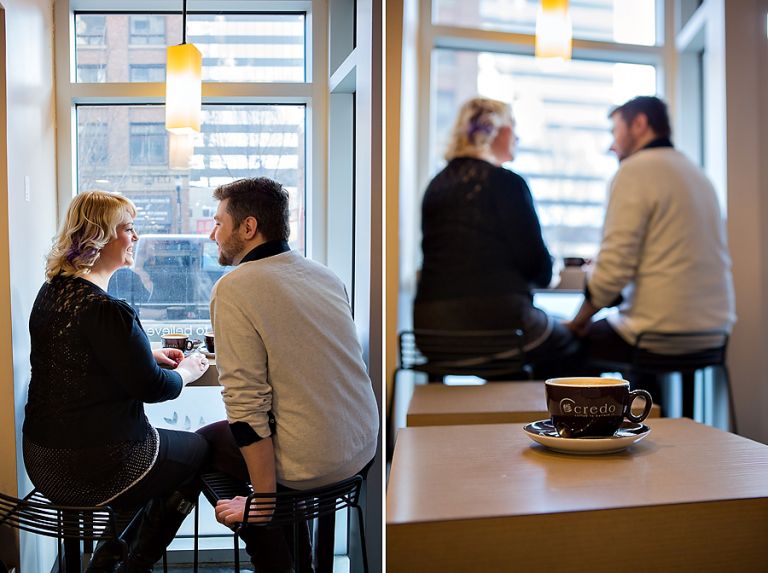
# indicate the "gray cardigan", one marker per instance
pixel 286 343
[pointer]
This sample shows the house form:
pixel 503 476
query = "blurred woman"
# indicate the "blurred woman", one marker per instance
pixel 86 438
pixel 482 244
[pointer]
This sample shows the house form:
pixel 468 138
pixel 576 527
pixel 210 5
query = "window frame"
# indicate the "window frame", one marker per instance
pixel 312 93
pixel 431 36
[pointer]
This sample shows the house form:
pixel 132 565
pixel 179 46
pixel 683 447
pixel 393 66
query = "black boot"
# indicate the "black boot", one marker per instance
pixel 161 518
pixel 109 553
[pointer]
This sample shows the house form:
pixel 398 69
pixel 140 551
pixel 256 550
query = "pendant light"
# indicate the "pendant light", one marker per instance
pixel 553 30
pixel 183 85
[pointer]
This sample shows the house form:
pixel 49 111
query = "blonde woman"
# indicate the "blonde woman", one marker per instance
pixel 482 244
pixel 86 438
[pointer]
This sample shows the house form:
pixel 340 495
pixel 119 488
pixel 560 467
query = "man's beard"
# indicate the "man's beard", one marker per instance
pixel 229 249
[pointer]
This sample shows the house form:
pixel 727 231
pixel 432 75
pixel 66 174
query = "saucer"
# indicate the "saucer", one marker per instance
pixel 544 433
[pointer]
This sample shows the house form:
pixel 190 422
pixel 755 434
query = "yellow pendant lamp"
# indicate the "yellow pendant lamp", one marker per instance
pixel 554 34
pixel 183 85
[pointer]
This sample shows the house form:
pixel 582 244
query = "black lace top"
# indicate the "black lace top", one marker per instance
pixel 86 438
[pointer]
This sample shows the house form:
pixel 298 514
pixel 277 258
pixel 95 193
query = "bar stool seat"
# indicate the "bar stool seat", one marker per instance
pixel 711 347
pixel 293 508
pixel 70 525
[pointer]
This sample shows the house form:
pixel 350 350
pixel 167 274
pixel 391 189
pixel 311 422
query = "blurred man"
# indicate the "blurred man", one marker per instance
pixel 301 412
pixel 663 258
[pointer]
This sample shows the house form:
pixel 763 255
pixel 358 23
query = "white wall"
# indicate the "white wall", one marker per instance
pixel 743 60
pixel 31 224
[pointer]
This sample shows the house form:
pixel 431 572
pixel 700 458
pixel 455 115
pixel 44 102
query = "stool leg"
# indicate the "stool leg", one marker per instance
pixel 361 525
pixel 731 404
pixel 689 387
pixel 72 556
pixel 237 554
pixel 324 538
pixel 196 542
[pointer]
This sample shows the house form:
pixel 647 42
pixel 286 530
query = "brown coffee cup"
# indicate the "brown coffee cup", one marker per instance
pixel 209 342
pixel 178 341
pixel 592 407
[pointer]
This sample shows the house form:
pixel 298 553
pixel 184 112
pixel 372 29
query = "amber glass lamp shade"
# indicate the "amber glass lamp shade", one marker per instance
pixel 183 89
pixel 554 33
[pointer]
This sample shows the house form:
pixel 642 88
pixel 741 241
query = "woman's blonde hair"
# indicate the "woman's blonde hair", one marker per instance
pixel 476 127
pixel 91 222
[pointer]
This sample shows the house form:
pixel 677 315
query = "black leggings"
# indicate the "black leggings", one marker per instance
pixel 180 457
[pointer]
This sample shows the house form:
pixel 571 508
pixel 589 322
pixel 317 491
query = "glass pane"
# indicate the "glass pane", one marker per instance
pixel 561 120
pixel 235 47
pixel 126 149
pixel 624 21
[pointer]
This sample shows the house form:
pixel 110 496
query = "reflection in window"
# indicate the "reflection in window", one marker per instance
pixel 93 143
pixel 90 29
pixel 149 144
pixel 147 29
pixel 92 73
pixel 562 122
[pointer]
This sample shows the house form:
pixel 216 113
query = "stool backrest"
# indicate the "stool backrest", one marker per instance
pixel 37 515
pixel 478 353
pixel 680 351
pixel 297 506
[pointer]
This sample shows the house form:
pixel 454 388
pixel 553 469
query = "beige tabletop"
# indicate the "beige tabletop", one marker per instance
pixel 211 376
pixel 492 403
pixel 486 498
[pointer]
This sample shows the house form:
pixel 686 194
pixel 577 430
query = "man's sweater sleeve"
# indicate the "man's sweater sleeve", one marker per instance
pixel 626 223
pixel 241 359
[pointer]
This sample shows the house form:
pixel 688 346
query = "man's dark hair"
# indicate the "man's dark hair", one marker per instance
pixel 652 107
pixel 258 197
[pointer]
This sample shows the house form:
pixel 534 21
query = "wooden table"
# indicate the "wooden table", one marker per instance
pixel 210 377
pixel 492 403
pixel 486 498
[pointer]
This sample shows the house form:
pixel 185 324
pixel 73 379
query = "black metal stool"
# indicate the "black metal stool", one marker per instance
pixel 69 524
pixel 293 508
pixel 714 344
pixel 488 354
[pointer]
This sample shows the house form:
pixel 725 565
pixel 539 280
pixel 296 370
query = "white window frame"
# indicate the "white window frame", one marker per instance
pixel 313 94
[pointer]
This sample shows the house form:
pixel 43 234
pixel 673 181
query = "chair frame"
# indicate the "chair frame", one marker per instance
pixel 68 524
pixel 686 364
pixel 489 354
pixel 291 507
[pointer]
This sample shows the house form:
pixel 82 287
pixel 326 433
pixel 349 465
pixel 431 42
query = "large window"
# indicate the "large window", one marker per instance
pixel 240 47
pixel 562 123
pixel 561 112
pixel 249 129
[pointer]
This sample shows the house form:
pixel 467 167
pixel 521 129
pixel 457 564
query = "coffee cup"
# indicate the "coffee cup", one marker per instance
pixel 209 342
pixel 179 341
pixel 592 407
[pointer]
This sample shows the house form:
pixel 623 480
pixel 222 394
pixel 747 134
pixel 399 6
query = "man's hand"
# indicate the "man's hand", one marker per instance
pixel 578 328
pixel 231 511
pixel 168 357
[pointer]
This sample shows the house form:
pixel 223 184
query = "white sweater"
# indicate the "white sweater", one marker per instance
pixel 286 342
pixel 664 249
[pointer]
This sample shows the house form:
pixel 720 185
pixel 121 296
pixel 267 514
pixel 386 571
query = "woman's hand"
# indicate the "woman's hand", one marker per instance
pixel 168 357
pixel 230 511
pixel 192 367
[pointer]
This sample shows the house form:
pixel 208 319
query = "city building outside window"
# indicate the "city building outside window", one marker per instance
pixel 148 144
pixel 147 29
pixel 146 72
